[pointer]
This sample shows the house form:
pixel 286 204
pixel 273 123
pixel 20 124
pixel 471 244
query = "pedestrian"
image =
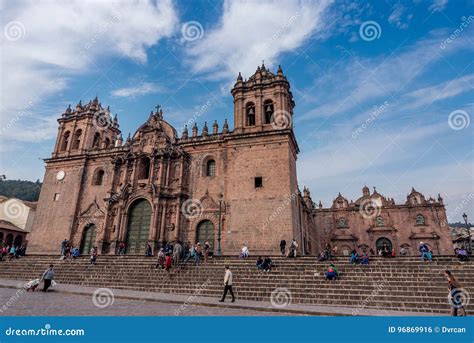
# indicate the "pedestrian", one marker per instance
pixel 283 247
pixel 122 248
pixel 12 252
pixel 293 249
pixel 187 251
pixel 365 258
pixel 168 263
pixel 197 254
pixel 267 264
pixel 161 259
pixel 48 277
pixel 462 254
pixel 93 255
pixel 149 251
pixel 75 253
pixel 207 248
pixel 331 273
pixel 456 295
pixel 227 284
pixel 244 253
pixel 63 246
pixel 177 249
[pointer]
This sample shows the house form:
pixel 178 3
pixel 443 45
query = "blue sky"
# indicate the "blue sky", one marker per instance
pixel 383 89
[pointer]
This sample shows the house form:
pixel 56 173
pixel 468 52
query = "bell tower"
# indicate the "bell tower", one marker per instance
pixel 85 128
pixel 263 102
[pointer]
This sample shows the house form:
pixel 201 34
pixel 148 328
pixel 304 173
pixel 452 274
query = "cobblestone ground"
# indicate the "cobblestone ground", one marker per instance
pixel 14 303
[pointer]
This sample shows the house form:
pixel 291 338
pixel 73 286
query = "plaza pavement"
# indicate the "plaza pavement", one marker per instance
pixel 69 300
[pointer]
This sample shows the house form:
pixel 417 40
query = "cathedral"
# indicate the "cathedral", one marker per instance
pixel 225 186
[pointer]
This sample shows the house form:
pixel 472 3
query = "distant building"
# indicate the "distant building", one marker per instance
pixel 16 220
pixel 374 220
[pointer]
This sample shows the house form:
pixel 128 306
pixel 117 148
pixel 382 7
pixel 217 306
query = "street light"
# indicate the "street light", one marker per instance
pixel 468 233
pixel 219 250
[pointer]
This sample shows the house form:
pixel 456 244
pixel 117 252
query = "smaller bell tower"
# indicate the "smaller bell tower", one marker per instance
pixel 85 128
pixel 263 102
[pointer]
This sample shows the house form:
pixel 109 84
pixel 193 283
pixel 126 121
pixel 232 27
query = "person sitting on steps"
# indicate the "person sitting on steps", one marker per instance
pixel 354 257
pixel 331 273
pixel 259 263
pixel 425 252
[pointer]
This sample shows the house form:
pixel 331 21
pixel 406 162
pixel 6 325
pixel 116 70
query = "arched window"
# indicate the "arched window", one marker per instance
pixel 250 113
pixel 9 239
pixel 379 221
pixel 107 143
pixel 98 177
pixel 268 111
pixel 211 168
pixel 342 223
pixel 77 139
pixel 96 142
pixel 144 168
pixel 420 220
pixel 65 141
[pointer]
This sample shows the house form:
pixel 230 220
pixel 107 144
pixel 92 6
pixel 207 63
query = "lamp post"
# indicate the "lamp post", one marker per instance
pixel 468 233
pixel 219 250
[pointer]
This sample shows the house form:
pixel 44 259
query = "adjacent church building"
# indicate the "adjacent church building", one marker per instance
pixel 225 186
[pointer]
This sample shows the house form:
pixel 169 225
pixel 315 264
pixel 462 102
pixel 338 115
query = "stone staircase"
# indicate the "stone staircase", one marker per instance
pixel 404 284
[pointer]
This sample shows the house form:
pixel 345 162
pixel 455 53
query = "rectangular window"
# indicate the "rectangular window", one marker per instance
pixel 56 197
pixel 258 182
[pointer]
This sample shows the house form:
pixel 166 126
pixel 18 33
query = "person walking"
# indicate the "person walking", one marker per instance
pixel 293 249
pixel 227 284
pixel 48 277
pixel 455 295
pixel 283 247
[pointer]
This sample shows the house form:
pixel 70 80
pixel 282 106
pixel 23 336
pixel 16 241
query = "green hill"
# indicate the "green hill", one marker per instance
pixel 24 190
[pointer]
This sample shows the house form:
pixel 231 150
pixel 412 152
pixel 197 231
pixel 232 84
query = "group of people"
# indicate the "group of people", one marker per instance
pixel 68 251
pixel 292 250
pixel 12 251
pixel 180 253
pixel 264 264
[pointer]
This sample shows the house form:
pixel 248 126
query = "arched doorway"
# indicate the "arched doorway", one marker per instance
pixel 383 245
pixel 88 239
pixel 139 219
pixel 18 241
pixel 9 239
pixel 205 232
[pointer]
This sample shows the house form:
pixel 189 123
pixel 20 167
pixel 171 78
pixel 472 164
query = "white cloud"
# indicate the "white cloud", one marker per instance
pixel 57 41
pixel 373 80
pixel 438 5
pixel 445 90
pixel 398 18
pixel 134 91
pixel 251 31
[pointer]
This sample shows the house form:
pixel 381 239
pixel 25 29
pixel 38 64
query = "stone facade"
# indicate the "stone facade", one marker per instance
pixel 228 187
pixel 193 185
pixel 373 220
